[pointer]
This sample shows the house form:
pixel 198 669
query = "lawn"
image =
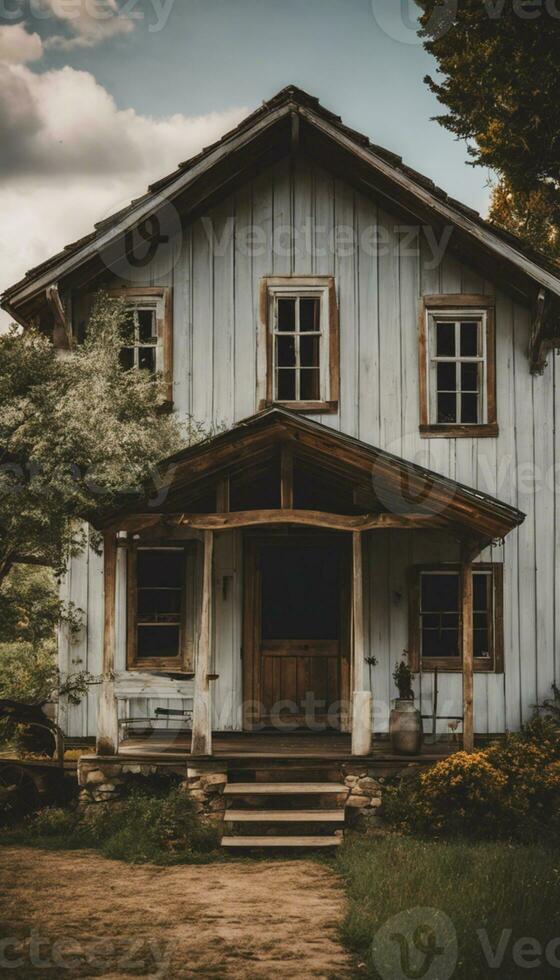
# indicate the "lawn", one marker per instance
pixel 493 908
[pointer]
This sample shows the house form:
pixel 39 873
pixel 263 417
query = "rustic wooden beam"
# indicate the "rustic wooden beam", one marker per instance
pixel 202 712
pixel 361 700
pixel 61 331
pixel 222 496
pixel 287 478
pixel 468 654
pixel 538 346
pixel 107 742
pixel 312 518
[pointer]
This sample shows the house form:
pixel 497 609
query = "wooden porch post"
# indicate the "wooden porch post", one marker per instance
pixel 361 700
pixel 468 654
pixel 107 714
pixel 202 711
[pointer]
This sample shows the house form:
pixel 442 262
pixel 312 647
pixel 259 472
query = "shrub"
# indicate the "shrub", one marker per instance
pixel 511 790
pixel 145 827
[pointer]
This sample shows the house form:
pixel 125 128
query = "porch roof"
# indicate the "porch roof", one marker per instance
pixel 386 489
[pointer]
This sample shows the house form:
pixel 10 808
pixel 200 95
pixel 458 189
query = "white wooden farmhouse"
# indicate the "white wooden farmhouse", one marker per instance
pixel 384 478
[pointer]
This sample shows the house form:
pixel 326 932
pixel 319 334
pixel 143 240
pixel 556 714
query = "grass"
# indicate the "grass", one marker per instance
pixel 146 827
pixel 479 886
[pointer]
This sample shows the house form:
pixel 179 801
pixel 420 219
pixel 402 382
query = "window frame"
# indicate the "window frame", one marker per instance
pixel 495 663
pixel 159 299
pixel 456 307
pixel 183 663
pixel 273 288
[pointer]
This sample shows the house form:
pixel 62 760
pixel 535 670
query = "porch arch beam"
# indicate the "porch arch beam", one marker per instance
pixel 311 518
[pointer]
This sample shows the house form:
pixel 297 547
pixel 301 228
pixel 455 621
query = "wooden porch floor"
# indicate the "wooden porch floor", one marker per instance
pixel 175 746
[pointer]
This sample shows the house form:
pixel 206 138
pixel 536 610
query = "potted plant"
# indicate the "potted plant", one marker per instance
pixel 405 721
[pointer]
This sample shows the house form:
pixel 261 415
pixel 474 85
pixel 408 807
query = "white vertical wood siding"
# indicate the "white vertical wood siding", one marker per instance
pixel 216 360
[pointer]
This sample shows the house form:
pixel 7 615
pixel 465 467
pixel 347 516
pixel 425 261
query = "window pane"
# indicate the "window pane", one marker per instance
pixel 286 385
pixel 309 314
pixel 481 583
pixel 158 568
pixel 146 326
pixel 440 643
pixel 158 642
pixel 147 358
pixel 287 314
pixel 481 644
pixel 447 377
pixel 286 351
pixel 446 408
pixel 440 593
pixel 309 351
pixel 310 385
pixel 445 344
pixel 159 605
pixel 469 338
pixel 469 408
pixel 129 326
pixel 469 377
pixel 126 358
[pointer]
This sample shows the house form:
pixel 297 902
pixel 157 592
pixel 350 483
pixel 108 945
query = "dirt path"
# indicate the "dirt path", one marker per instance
pixel 75 914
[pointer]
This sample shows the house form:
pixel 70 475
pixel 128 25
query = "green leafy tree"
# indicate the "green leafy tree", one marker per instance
pixel 499 65
pixel 75 433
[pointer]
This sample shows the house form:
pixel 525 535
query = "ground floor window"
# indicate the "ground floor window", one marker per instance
pixel 435 639
pixel 160 608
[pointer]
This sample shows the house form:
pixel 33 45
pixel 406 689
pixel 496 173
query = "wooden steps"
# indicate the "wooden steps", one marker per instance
pixel 271 811
pixel 284 816
pixel 282 789
pixel 303 841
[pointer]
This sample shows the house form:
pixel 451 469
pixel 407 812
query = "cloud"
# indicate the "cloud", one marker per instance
pixel 70 157
pixel 89 21
pixel 17 46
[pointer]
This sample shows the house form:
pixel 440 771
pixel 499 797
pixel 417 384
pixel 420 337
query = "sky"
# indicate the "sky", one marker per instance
pixel 100 97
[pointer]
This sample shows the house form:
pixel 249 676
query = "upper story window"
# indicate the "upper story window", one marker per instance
pixel 435 618
pixel 299 336
pixel 149 337
pixel 457 367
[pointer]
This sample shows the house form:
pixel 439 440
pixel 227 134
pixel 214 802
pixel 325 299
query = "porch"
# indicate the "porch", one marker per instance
pixel 275 483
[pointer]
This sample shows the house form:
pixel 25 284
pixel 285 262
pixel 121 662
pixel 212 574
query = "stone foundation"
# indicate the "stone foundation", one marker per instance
pixel 104 781
pixel 205 784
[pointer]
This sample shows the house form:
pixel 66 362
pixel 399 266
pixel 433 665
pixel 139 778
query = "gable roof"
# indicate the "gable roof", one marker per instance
pixel 395 485
pixel 295 120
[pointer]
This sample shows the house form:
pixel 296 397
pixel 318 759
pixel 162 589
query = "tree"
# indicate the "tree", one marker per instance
pixel 500 62
pixel 75 433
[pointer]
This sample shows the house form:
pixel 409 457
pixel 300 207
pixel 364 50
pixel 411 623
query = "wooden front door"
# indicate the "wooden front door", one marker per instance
pixel 296 613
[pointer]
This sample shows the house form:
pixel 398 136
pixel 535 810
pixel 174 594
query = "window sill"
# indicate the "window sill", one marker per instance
pixel 487 431
pixel 323 408
pixel 452 667
pixel 161 666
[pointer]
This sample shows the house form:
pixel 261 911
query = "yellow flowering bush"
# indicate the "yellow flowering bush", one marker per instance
pixel 510 790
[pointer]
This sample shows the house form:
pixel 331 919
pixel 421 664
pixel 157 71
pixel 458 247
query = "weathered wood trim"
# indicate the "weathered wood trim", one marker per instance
pixel 286 478
pixel 107 741
pixel 61 330
pixel 468 655
pixel 486 431
pixel 361 700
pixel 223 495
pixel 202 712
pixel 311 518
pixel 538 346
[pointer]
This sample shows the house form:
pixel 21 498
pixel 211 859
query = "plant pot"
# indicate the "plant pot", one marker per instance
pixel 405 728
